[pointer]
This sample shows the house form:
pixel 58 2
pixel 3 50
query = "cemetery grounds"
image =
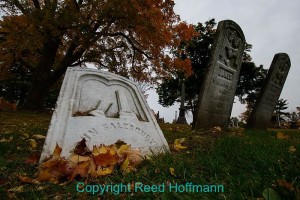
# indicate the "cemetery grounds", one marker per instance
pixel 249 164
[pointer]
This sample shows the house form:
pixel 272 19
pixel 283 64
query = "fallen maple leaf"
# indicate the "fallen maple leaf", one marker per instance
pixel 99 150
pixel 282 136
pixel 17 189
pixel 102 171
pixel 178 144
pixel 33 159
pixel 32 143
pixel 134 156
pixel 283 183
pixel 292 149
pixel 172 171
pixel 38 136
pixel 25 179
pixel 101 161
pixel 81 148
pixel 105 159
pixel 7 140
pixel 81 169
pixel 77 158
pixel 57 151
pixel 125 167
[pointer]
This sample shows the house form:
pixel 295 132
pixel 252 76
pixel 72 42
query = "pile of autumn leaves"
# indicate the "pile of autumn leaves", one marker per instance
pixel 102 160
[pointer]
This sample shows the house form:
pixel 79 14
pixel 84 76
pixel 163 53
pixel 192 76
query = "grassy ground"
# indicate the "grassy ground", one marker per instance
pixel 244 162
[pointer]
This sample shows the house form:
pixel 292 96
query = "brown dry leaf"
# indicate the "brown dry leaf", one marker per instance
pixel 26 135
pixel 25 179
pixel 81 148
pixel 105 160
pixel 292 149
pixel 44 176
pixel 81 169
pixel 134 156
pixel 283 183
pixel 282 136
pixel 76 158
pixel 32 143
pixel 38 136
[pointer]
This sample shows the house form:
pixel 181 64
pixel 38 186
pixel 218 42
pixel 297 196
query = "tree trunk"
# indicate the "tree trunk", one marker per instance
pixel 37 94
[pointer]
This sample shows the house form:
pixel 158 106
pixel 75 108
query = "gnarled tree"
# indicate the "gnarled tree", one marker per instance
pixel 127 37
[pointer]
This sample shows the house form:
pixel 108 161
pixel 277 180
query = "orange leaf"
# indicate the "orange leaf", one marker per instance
pixel 57 151
pixel 33 159
pixel 44 176
pixel 105 160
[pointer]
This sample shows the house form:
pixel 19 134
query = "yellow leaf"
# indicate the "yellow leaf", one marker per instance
pixel 282 136
pixel 26 135
pixel 102 171
pixel 17 189
pixel 99 150
pixel 37 136
pixel 123 148
pixel 76 158
pixel 217 128
pixel 125 166
pixel 172 171
pixel 32 143
pixel 292 149
pixel 177 144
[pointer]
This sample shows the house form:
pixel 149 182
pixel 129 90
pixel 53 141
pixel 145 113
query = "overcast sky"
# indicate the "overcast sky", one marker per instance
pixel 271 26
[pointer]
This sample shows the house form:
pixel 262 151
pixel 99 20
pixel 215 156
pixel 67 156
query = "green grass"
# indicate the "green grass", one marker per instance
pixel 244 162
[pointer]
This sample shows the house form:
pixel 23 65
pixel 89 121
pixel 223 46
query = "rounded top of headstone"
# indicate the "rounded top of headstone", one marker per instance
pixel 285 56
pixel 230 23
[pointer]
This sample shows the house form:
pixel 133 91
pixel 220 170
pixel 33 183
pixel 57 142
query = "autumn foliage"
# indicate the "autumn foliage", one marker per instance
pixel 129 37
pixel 83 163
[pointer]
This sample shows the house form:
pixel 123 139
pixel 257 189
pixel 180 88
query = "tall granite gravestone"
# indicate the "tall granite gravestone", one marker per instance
pixel 261 115
pixel 219 85
pixel 103 108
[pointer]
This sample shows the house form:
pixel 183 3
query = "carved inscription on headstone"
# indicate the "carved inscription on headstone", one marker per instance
pixel 102 108
pixel 261 114
pixel 219 85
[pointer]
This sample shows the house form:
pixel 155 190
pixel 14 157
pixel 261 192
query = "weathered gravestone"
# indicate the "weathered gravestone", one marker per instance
pixel 103 108
pixel 219 85
pixel 181 119
pixel 262 112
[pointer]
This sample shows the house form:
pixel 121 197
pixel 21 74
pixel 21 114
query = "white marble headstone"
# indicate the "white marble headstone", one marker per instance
pixel 102 108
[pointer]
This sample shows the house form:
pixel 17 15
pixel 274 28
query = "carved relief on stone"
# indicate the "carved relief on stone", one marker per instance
pixel 279 77
pixel 230 52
